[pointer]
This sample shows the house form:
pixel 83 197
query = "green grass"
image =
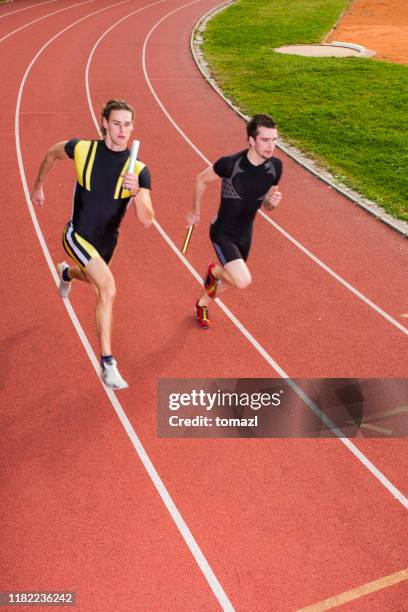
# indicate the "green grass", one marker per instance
pixel 349 114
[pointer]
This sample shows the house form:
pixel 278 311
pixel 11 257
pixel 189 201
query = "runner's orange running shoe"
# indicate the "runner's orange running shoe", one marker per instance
pixel 210 283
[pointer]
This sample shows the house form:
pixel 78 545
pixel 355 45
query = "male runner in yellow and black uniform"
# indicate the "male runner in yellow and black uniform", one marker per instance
pixel 100 201
pixel 104 189
pixel 249 181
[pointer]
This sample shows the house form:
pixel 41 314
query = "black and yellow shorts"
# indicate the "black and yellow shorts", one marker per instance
pixel 82 251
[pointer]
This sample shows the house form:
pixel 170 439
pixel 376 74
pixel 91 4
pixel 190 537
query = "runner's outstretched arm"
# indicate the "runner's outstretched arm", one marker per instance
pixel 202 179
pixel 57 151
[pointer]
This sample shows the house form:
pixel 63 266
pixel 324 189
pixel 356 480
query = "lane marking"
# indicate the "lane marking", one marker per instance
pixel 392 412
pixel 366 462
pixel 90 58
pixel 336 276
pixel 91 355
pixel 366 423
pixel 280 229
pixel 29 23
pixel 396 493
pixel 368 205
pixel 184 530
pixel 353 594
pixel 351 447
pixel 26 7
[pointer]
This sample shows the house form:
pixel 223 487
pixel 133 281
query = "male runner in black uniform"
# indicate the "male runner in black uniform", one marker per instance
pixel 249 181
pixel 105 185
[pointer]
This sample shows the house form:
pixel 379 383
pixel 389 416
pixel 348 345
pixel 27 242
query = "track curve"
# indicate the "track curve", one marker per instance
pixel 76 494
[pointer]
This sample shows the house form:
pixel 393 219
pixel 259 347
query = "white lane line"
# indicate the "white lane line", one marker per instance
pixel 156 97
pixel 280 229
pixel 26 8
pixel 115 403
pixel 29 23
pixel 395 492
pixel 87 88
pixel 188 537
pixel 306 399
pixel 336 276
pixel 145 459
pixel 369 206
pixel 352 448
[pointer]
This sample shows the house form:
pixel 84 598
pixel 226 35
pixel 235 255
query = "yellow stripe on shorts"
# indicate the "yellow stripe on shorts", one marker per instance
pixel 71 254
pixel 87 246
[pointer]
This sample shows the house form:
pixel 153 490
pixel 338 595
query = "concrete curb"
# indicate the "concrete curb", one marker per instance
pixel 359 48
pixel 310 165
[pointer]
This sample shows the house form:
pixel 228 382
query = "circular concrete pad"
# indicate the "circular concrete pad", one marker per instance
pixel 335 49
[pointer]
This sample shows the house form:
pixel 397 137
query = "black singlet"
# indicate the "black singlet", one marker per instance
pixel 244 187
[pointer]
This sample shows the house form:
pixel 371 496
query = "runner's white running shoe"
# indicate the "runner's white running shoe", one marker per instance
pixel 64 287
pixel 111 376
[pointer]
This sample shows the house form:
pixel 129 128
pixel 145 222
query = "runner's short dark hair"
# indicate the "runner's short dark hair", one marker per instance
pixel 258 121
pixel 112 105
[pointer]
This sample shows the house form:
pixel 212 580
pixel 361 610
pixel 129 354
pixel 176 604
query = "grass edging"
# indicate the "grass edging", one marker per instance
pixel 305 160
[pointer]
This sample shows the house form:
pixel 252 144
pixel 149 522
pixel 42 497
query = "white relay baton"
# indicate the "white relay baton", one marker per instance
pixel 133 154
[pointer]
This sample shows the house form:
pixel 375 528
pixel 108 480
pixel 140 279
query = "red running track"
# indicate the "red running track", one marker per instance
pixel 273 524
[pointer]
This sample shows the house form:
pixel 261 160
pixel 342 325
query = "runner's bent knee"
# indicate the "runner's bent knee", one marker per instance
pixel 108 291
pixel 239 273
pixel 243 281
pixel 106 287
pixel 101 277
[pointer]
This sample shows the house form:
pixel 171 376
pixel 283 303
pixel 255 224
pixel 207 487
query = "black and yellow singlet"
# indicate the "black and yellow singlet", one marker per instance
pixel 100 202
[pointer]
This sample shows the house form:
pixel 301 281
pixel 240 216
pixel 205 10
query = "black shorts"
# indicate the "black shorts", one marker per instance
pixel 82 251
pixel 229 246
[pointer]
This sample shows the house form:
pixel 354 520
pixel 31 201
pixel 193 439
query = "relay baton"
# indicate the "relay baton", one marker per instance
pixel 133 154
pixel 187 239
